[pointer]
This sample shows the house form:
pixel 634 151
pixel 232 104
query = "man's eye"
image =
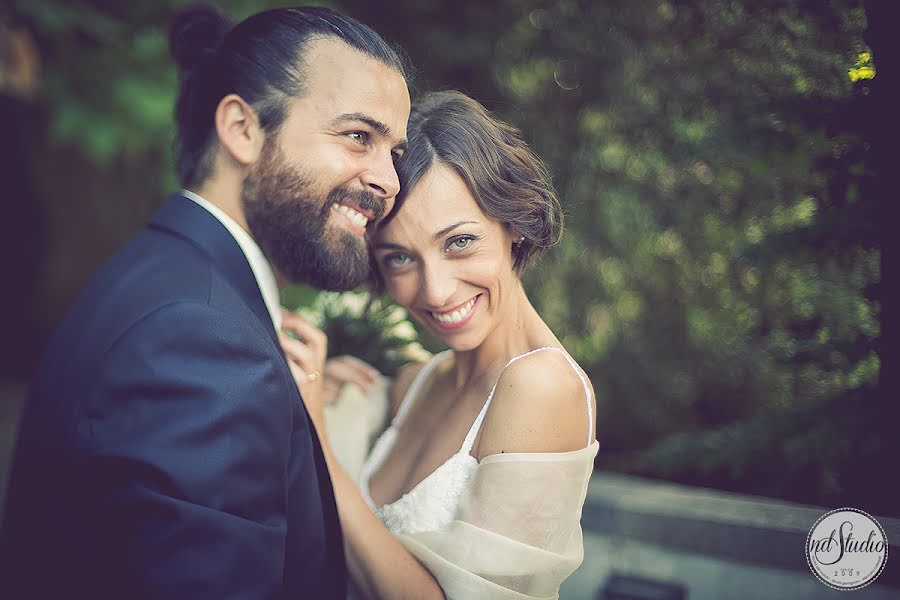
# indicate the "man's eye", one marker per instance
pixel 361 137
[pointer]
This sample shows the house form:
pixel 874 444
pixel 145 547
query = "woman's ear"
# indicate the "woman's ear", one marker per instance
pixel 513 234
pixel 238 129
pixel 516 238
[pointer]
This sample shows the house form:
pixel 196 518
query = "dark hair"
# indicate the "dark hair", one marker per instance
pixel 260 59
pixel 509 182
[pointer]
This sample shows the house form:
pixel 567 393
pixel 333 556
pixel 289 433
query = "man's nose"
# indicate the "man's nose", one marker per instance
pixel 381 179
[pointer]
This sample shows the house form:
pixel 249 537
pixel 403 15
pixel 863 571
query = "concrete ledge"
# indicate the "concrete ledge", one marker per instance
pixel 701 521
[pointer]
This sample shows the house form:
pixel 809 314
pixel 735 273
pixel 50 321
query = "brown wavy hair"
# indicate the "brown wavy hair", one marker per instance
pixel 508 181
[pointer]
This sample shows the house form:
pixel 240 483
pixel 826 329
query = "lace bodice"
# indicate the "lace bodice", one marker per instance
pixel 433 502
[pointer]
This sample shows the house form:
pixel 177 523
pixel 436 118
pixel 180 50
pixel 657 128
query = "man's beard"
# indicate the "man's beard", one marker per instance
pixel 288 217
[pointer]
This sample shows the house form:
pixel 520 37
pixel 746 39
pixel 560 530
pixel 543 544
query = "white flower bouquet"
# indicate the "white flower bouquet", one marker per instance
pixel 366 327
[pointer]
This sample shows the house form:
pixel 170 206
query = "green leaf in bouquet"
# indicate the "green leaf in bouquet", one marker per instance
pixel 369 328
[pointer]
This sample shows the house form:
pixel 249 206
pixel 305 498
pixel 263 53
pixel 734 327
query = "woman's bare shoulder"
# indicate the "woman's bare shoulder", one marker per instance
pixel 540 404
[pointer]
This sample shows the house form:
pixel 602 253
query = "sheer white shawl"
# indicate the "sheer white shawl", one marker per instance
pixel 517 534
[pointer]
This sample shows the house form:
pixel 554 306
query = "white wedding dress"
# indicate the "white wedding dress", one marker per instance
pixel 505 527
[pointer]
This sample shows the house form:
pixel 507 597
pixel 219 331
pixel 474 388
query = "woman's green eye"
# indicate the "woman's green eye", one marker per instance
pixel 461 243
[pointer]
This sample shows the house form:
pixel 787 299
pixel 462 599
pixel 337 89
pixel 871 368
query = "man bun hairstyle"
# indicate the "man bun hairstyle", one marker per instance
pixel 260 59
pixel 195 34
pixel 508 181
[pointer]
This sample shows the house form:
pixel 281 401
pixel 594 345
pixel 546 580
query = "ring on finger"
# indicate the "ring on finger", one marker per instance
pixel 313 376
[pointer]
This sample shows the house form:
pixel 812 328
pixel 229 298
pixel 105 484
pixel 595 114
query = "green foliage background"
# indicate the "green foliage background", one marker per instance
pixel 719 275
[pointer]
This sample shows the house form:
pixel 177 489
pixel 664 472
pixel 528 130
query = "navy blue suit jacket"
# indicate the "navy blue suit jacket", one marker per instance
pixel 165 451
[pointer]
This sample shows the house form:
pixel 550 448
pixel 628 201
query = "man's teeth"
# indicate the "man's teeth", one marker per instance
pixel 457 315
pixel 356 217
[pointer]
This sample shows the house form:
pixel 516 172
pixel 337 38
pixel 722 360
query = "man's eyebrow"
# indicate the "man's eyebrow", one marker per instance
pixel 376 125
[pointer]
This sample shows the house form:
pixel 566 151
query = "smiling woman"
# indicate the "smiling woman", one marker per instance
pixel 497 211
pixel 445 273
pixel 483 470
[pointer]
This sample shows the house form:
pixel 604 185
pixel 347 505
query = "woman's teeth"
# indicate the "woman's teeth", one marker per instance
pixel 356 217
pixel 457 315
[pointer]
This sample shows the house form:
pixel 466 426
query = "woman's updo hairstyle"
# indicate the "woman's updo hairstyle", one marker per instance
pixel 509 182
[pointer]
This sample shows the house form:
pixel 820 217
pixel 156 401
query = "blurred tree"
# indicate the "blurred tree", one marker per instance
pixel 724 263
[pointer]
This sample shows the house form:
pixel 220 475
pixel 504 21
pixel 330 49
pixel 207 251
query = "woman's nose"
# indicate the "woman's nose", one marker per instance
pixel 438 285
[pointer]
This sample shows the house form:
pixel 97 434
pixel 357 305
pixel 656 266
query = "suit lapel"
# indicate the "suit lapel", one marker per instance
pixel 190 221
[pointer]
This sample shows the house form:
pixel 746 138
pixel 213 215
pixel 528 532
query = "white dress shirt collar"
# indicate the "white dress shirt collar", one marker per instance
pixel 262 270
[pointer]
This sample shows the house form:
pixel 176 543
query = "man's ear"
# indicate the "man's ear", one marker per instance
pixel 238 129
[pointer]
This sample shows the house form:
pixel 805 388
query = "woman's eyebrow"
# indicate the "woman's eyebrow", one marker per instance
pixel 388 246
pixel 450 228
pixel 437 236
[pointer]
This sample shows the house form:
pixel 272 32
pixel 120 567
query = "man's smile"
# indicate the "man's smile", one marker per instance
pixel 356 218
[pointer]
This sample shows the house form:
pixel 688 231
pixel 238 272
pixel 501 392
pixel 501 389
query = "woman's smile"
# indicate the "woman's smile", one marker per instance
pixel 456 317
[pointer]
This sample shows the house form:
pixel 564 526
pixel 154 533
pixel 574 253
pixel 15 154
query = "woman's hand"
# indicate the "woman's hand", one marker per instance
pixel 306 358
pixel 347 369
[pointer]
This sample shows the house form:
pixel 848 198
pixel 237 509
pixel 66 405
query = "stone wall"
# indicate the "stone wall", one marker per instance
pixel 705 544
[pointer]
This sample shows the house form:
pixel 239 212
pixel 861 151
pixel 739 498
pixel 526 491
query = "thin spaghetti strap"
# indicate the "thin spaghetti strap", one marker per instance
pixel 587 388
pixel 413 391
pixel 473 431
